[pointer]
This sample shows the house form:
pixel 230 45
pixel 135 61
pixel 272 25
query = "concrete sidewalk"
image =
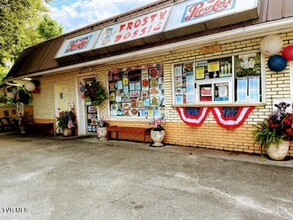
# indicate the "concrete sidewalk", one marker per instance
pixel 211 153
pixel 84 178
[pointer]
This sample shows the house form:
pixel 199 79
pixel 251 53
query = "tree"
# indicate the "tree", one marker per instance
pixel 49 28
pixel 19 28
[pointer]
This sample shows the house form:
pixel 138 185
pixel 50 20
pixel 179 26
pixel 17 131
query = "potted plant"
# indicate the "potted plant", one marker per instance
pixel 66 122
pixel 23 120
pixel 274 134
pixel 102 129
pixel 158 131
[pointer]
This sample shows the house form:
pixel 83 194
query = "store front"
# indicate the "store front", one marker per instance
pixel 212 88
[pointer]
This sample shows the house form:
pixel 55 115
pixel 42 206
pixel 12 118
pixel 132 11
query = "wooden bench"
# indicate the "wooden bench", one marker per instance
pixel 136 130
pixel 46 126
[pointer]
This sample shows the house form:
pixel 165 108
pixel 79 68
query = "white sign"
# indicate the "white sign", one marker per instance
pixel 79 44
pixel 197 11
pixel 139 27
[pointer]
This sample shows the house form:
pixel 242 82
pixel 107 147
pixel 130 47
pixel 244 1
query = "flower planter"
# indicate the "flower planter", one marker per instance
pixel 67 132
pixel 102 133
pixel 157 137
pixel 22 130
pixel 278 152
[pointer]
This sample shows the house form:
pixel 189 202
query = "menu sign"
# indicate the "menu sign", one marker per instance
pixel 139 27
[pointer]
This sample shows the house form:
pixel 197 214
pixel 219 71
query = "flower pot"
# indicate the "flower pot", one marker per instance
pixel 67 132
pixel 157 137
pixel 278 152
pixel 22 130
pixel 102 133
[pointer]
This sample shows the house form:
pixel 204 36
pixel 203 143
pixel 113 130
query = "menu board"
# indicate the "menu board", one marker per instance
pixel 202 81
pixel 184 83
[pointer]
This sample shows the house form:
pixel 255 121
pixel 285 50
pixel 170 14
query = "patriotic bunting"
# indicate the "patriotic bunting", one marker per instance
pixel 193 116
pixel 231 117
pixel 227 117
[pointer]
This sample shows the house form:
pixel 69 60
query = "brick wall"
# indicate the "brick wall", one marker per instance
pixel 209 135
pixel 44 102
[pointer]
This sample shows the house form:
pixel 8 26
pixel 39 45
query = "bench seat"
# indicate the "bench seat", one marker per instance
pixel 136 130
pixel 45 126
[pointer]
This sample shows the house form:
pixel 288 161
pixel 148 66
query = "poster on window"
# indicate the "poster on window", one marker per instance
pixel 137 92
pixel 254 89
pixel 190 90
pixel 213 66
pixel 178 70
pixel 145 82
pixel 223 92
pixel 179 99
pixel 241 91
pixel 178 81
pixel 199 73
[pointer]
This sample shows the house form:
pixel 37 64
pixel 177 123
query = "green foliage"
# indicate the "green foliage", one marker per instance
pixel 66 119
pixel 19 24
pixel 95 92
pixel 265 135
pixel 3 72
pixel 278 127
pixel 3 99
pixel 48 28
pixel 19 20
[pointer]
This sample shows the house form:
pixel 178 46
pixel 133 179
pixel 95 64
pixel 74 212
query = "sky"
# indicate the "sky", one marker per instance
pixel 74 14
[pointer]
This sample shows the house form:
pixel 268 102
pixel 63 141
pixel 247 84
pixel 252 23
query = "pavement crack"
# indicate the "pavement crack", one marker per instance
pixel 247 202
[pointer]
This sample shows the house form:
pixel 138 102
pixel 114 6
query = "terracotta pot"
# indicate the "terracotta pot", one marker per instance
pixel 157 137
pixel 278 152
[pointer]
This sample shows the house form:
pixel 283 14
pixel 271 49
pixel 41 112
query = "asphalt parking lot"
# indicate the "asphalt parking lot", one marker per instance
pixel 84 178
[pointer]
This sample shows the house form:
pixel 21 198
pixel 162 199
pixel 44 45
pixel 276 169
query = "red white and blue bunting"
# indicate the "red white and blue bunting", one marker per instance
pixel 226 117
pixel 231 117
pixel 193 116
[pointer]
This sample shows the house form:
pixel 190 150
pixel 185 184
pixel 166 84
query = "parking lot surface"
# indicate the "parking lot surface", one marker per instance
pixel 84 178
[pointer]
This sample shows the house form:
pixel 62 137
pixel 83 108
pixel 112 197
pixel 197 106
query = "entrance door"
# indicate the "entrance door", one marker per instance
pixel 88 115
pixel 61 98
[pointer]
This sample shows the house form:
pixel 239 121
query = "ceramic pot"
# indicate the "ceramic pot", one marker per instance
pixel 278 152
pixel 22 130
pixel 102 133
pixel 67 132
pixel 157 137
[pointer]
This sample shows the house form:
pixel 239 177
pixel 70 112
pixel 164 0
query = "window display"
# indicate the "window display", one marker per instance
pixel 213 81
pixel 137 91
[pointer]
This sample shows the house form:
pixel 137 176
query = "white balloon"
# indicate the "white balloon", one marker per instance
pixel 271 45
pixel 30 86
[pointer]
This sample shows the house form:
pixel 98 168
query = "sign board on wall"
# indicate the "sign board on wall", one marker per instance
pixel 79 44
pixel 179 15
pixel 139 27
pixel 191 12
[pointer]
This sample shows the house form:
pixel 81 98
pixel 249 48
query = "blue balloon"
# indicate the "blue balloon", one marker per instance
pixel 277 63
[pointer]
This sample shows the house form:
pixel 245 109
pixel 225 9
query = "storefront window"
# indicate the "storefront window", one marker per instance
pixel 137 91
pixel 226 80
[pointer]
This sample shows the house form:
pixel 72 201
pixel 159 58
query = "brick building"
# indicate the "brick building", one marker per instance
pixel 193 64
